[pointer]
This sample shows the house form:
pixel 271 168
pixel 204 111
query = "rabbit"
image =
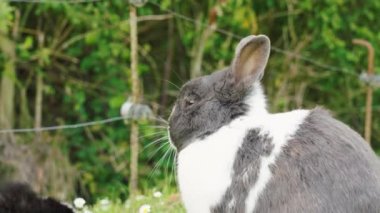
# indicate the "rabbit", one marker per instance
pixel 19 198
pixel 235 156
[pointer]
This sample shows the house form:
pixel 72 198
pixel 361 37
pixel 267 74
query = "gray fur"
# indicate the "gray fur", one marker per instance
pixel 216 103
pixel 207 103
pixel 246 167
pixel 326 167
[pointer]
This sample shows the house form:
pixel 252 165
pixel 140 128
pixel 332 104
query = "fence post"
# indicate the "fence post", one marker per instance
pixel 134 136
pixel 368 108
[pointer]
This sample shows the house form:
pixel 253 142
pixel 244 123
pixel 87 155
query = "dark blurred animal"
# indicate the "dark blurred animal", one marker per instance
pixel 19 198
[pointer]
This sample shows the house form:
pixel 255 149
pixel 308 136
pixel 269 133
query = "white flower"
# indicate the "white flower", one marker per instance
pixel 79 203
pixel 145 208
pixel 157 194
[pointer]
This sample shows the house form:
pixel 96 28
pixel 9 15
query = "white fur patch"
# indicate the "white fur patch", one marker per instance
pixel 205 166
pixel 280 128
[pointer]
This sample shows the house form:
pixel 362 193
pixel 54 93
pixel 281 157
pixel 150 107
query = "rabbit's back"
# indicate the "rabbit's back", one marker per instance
pixel 325 167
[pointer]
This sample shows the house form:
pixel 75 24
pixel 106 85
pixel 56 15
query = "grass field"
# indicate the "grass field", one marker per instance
pixel 154 201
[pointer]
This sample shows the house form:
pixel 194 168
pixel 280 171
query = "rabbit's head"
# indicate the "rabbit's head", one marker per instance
pixel 207 103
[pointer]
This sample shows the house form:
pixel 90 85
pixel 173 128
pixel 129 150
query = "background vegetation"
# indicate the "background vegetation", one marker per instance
pixel 66 63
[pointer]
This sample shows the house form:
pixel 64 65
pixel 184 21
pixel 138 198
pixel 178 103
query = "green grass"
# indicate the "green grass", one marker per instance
pixel 167 203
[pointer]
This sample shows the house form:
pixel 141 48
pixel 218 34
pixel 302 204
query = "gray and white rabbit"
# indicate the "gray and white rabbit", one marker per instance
pixel 235 156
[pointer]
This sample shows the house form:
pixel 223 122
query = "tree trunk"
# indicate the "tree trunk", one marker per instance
pixel 167 68
pixel 39 91
pixel 7 87
pixel 199 47
pixel 25 119
pixel 38 102
pixel 38 138
pixel 196 69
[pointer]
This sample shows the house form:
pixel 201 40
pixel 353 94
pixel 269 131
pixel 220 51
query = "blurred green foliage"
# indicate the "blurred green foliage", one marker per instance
pixel 86 60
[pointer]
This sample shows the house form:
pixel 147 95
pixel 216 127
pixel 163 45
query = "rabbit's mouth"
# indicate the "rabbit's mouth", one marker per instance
pixel 174 141
pixel 177 141
pixel 172 144
pixel 170 139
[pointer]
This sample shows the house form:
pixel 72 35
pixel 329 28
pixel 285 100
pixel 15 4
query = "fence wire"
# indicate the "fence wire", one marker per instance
pixel 53 1
pixel 69 126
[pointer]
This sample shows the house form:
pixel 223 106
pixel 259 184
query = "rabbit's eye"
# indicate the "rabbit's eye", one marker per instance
pixel 190 99
pixel 189 102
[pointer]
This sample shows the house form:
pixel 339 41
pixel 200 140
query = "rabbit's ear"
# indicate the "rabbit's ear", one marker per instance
pixel 251 57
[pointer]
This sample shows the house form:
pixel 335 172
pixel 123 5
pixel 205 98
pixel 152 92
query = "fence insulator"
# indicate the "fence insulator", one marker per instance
pixel 370 80
pixel 132 111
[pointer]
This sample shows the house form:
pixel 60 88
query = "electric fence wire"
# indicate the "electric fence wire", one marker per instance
pixel 52 1
pixel 69 126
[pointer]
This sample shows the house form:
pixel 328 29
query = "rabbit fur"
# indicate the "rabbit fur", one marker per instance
pixel 235 156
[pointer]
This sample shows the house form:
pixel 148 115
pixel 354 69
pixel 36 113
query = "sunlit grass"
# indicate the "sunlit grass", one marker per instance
pixel 153 201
